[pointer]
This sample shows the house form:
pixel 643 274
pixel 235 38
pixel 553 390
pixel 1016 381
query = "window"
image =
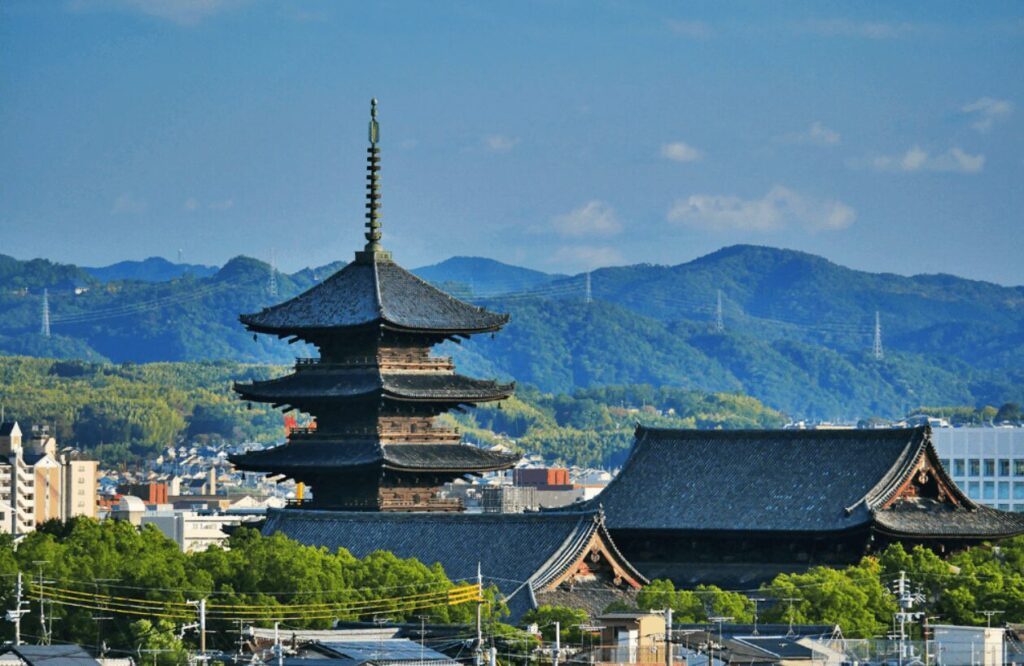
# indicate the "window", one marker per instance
pixel 958 467
pixel 1004 467
pixel 1018 467
pixel 974 467
pixel 1018 491
pixel 1003 507
pixel 990 467
pixel 974 490
pixel 988 490
pixel 945 463
pixel 1003 490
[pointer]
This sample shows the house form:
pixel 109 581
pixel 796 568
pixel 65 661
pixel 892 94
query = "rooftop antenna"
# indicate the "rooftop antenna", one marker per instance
pixel 877 351
pixel 719 320
pixel 45 328
pixel 588 296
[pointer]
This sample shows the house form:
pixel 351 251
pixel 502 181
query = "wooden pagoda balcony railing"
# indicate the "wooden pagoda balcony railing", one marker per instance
pixel 445 435
pixel 408 364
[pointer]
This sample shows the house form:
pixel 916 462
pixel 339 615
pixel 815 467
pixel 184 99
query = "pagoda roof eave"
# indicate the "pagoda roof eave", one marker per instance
pixel 306 332
pixel 320 386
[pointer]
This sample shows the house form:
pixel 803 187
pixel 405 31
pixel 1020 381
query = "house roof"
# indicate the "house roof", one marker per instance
pixel 789 481
pixel 383 651
pixel 521 554
pixel 51 655
pixel 338 384
pixel 326 454
pixel 374 291
pixel 8 427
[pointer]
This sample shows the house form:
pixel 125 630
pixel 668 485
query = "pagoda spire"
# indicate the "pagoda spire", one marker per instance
pixel 373 233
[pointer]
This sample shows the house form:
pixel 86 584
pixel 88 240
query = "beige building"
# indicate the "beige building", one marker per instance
pixel 38 483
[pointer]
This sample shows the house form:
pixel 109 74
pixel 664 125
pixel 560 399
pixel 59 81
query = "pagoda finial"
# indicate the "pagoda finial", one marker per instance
pixel 373 234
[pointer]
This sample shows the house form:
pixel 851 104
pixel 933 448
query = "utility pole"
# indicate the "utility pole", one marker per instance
pixel 478 650
pixel 588 297
pixel 906 600
pixel 877 350
pixel 668 636
pixel 44 639
pixel 558 643
pixel 14 615
pixel 201 609
pixel 45 327
pixel 719 619
pixel 719 319
pixel 278 649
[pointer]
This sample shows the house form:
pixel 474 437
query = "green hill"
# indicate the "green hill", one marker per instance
pixel 798 328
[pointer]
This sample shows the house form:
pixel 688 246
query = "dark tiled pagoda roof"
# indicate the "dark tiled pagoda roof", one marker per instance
pixel 370 292
pixel 520 553
pixel 788 481
pixel 327 384
pixel 324 454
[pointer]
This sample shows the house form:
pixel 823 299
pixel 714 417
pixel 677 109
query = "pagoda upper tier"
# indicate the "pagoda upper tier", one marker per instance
pixel 372 292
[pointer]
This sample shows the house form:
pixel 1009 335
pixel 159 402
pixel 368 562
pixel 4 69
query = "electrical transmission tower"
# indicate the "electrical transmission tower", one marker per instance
pixel 272 285
pixel 879 354
pixel 588 296
pixel 45 327
pixel 719 320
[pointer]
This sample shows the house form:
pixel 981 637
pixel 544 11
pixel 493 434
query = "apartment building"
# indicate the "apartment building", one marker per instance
pixel 987 463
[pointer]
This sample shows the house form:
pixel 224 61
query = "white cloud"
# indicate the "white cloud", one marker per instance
pixel 222 205
pixel 182 12
pixel 677 151
pixel 862 29
pixel 916 158
pixel 594 218
pixel 127 204
pixel 816 135
pixel 778 209
pixel 986 111
pixel 498 143
pixel 585 257
pixel 690 29
pixel 191 205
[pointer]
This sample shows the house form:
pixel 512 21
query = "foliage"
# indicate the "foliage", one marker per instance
pixel 569 620
pixel 697 605
pixel 115 558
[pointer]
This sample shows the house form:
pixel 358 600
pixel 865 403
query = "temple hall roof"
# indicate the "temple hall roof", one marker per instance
pixel 373 291
pixel 522 554
pixel 326 454
pixel 327 384
pixel 791 481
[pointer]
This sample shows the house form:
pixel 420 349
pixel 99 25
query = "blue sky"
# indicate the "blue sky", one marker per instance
pixel 558 135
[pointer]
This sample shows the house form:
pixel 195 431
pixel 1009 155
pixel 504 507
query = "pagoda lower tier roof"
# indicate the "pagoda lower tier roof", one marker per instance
pixel 374 291
pixel 325 456
pixel 340 384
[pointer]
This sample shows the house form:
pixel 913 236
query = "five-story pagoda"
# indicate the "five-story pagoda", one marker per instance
pixel 375 390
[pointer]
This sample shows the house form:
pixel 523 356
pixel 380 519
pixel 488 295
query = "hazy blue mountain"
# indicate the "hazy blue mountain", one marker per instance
pixel 153 269
pixel 484 278
pixel 797 328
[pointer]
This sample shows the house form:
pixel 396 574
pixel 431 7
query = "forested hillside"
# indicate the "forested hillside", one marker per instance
pixel 797 329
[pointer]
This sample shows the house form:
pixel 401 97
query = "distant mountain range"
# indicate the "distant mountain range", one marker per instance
pixel 153 269
pixel 798 329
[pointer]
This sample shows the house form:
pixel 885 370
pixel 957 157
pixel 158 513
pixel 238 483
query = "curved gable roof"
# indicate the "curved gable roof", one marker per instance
pixel 369 292
pixel 759 480
pixel 521 553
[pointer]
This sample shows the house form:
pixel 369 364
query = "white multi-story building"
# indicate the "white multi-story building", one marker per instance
pixel 987 463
